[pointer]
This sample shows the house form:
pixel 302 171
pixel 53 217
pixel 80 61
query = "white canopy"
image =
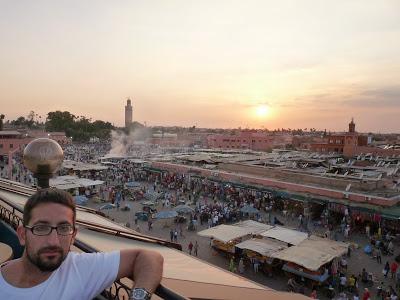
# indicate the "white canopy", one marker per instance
pixel 313 252
pixel 80 166
pixel 226 233
pixel 70 182
pixel 257 227
pixel 286 235
pixel 262 246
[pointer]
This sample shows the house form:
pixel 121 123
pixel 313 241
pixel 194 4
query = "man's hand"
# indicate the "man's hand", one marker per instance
pixel 143 266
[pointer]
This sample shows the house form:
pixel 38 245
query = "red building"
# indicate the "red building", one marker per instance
pixel 345 143
pixel 253 140
pixel 12 140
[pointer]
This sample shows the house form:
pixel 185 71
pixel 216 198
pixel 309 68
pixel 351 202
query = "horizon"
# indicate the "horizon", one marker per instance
pixel 226 65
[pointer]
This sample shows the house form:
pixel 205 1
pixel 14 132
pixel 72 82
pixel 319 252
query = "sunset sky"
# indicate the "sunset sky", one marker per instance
pixel 229 64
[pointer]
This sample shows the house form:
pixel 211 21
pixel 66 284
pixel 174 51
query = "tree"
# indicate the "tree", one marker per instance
pixel 60 121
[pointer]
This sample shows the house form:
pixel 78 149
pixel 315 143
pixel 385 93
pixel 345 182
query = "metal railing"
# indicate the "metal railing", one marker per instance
pixel 11 214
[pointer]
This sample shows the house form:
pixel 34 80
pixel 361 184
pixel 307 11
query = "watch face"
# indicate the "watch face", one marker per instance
pixel 140 294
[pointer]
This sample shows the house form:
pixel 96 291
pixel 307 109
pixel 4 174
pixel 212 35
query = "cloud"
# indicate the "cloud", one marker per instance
pixel 352 97
pixel 387 97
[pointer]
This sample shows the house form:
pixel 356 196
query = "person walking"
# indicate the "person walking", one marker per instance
pixel 171 235
pixel 241 266
pixel 256 265
pixel 366 295
pixel 232 265
pixel 196 248
pixel 379 256
pixel 386 269
pixel 176 236
pixel 393 269
pixel 190 247
pixel 367 230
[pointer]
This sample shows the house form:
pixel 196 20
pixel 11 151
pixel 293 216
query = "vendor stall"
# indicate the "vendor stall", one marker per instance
pixel 261 250
pixel 286 235
pixel 309 258
pixel 225 237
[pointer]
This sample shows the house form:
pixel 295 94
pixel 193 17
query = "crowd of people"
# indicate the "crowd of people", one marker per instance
pixel 216 202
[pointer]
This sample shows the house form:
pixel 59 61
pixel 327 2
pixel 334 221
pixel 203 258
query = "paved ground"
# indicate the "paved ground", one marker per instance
pixel 356 262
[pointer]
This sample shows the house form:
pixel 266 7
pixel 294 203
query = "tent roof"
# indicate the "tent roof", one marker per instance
pixel 257 227
pixel 70 182
pixel 286 235
pixel 225 233
pixel 80 166
pixel 177 264
pixel 262 246
pixel 313 252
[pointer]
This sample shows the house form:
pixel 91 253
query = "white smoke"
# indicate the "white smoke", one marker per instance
pixel 122 142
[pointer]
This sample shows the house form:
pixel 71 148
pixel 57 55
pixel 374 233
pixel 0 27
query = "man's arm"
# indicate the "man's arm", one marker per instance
pixel 143 266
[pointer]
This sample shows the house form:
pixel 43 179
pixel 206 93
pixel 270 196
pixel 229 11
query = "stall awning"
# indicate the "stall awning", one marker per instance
pixel 262 246
pixel 313 252
pixel 225 233
pixel 286 235
pixel 255 226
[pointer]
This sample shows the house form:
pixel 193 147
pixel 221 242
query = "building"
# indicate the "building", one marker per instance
pixel 246 139
pixel 12 140
pixel 343 143
pixel 352 144
pixel 128 113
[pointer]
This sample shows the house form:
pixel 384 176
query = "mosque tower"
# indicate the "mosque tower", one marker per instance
pixel 128 113
pixel 352 126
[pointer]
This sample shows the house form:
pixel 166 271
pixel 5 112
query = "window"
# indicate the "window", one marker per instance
pixel 1 146
pixel 11 146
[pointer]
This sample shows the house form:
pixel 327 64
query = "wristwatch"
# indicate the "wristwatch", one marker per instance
pixel 140 294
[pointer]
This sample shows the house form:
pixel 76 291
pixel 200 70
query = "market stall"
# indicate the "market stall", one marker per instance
pixel 310 258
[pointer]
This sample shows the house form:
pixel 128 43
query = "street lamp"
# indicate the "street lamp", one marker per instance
pixel 43 157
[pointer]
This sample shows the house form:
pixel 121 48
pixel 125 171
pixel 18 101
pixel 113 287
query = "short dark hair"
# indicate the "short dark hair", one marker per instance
pixel 49 195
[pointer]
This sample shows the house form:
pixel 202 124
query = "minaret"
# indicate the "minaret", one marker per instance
pixel 352 126
pixel 128 113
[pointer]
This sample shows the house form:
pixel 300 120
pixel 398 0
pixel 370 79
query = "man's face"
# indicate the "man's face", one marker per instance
pixel 47 252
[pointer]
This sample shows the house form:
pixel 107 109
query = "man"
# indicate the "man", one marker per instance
pixel 190 247
pixel 393 269
pixel 379 255
pixel 47 268
pixel 196 248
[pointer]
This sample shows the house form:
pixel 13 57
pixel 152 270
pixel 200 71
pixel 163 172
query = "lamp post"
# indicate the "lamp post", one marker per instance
pixel 43 157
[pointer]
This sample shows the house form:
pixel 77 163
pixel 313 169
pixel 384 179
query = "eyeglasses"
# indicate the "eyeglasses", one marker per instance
pixel 42 229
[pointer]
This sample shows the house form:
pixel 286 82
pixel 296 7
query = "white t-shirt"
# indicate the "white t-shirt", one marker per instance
pixel 80 276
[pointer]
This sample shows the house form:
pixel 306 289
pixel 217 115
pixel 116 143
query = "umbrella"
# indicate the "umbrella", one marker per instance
pixel 81 200
pixel 368 249
pixel 107 206
pixel 184 209
pixel 249 209
pixel 166 214
pixel 132 184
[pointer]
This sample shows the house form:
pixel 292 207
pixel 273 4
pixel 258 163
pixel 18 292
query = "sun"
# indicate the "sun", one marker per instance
pixel 262 111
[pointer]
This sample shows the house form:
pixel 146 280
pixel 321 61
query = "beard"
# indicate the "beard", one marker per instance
pixel 47 264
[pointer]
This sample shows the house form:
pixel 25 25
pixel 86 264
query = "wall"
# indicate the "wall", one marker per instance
pixel 272 183
pixel 305 178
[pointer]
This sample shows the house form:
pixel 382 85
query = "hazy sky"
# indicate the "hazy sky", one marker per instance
pixel 206 63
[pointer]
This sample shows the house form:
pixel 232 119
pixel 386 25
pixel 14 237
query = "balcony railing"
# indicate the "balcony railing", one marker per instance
pixel 12 215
